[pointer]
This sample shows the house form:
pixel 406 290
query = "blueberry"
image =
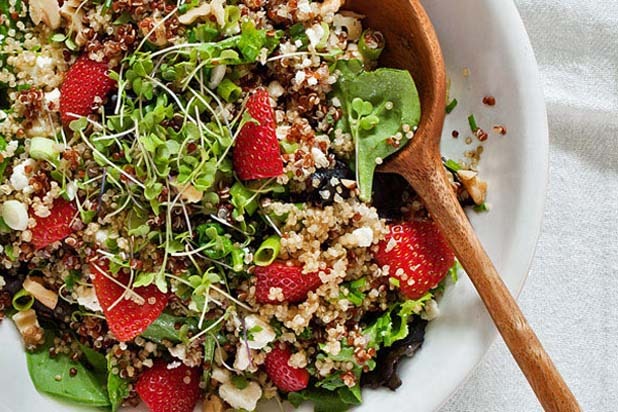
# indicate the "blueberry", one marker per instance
pixel 325 184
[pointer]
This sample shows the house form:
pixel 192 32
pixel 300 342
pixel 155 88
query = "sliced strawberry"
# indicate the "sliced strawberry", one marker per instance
pixel 257 154
pixel 293 283
pixel 85 83
pixel 418 256
pixel 166 389
pixel 284 376
pixel 54 227
pixel 127 318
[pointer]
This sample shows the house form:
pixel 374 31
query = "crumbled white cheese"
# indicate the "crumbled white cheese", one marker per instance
pixel 11 147
pixel 364 236
pixel 220 375
pixel 304 6
pixel 300 77
pixel 52 99
pixel 101 237
pixel 282 132
pixel 242 361
pixel 275 89
pixel 351 24
pixel 87 298
pixel 20 178
pixel 431 310
pixel 315 34
pixel 44 63
pixel 319 158
pixel 179 351
pixel 216 76
pixel 261 333
pixel 2 282
pixel 241 398
pixel 174 365
pixel 72 190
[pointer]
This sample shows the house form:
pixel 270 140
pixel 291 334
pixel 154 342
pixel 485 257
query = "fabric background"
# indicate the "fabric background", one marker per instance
pixel 571 297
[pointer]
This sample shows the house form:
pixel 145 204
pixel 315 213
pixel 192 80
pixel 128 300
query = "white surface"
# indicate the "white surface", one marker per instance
pixel 570 297
pixel 487 36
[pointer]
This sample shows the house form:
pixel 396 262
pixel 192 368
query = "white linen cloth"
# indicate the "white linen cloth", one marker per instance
pixel 571 297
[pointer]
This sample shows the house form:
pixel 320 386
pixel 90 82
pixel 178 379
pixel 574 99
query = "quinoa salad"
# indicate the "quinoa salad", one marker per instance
pixel 190 210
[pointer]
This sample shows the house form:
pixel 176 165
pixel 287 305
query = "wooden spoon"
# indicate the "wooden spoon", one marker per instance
pixel 413 45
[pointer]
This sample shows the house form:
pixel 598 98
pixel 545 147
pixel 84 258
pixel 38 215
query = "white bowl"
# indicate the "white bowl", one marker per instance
pixel 488 38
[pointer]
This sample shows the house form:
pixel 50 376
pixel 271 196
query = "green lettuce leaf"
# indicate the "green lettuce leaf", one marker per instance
pixel 393 325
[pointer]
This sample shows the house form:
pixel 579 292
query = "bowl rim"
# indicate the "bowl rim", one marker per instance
pixel 544 147
pixel 537 104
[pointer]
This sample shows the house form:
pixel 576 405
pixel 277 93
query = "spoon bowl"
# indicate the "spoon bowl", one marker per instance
pixel 413 45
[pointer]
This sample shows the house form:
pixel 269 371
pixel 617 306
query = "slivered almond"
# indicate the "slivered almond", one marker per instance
pixel 194 14
pixel 46 11
pixel 473 185
pixel 47 297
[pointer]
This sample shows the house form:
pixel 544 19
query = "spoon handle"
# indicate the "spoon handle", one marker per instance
pixel 439 198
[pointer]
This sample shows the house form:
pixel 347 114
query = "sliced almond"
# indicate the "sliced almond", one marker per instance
pixel 212 403
pixel 188 192
pixel 47 297
pixel 46 11
pixel 473 185
pixel 74 16
pixel 192 15
pixel 29 328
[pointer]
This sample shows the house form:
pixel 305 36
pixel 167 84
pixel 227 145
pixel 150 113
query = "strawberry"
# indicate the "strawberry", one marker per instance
pixel 284 376
pixel 257 154
pixel 169 390
pixel 290 279
pixel 54 227
pixel 127 319
pixel 418 256
pixel 86 82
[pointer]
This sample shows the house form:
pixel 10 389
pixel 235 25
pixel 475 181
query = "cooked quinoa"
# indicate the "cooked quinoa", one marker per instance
pixel 151 194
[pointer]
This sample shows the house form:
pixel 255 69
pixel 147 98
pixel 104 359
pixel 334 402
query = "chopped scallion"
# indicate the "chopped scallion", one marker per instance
pixel 451 106
pixel 229 91
pixel 23 301
pixel 472 121
pixel 268 251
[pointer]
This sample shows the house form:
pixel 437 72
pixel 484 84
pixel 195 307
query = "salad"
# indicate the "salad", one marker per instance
pixel 189 204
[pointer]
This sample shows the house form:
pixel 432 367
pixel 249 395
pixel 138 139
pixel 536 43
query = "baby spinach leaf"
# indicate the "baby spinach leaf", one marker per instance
pixel 169 327
pixel 5 162
pixel 96 360
pixel 325 400
pixel 378 107
pixel 52 376
pixel 117 388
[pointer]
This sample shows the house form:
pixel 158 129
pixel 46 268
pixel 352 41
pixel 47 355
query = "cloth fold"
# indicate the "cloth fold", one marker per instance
pixel 570 297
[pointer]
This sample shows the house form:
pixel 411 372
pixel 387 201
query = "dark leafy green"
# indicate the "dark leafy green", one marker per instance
pixel 52 376
pixel 170 328
pixel 393 325
pixel 324 400
pixel 4 162
pixel 376 107
pixel 117 388
pixel 96 360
